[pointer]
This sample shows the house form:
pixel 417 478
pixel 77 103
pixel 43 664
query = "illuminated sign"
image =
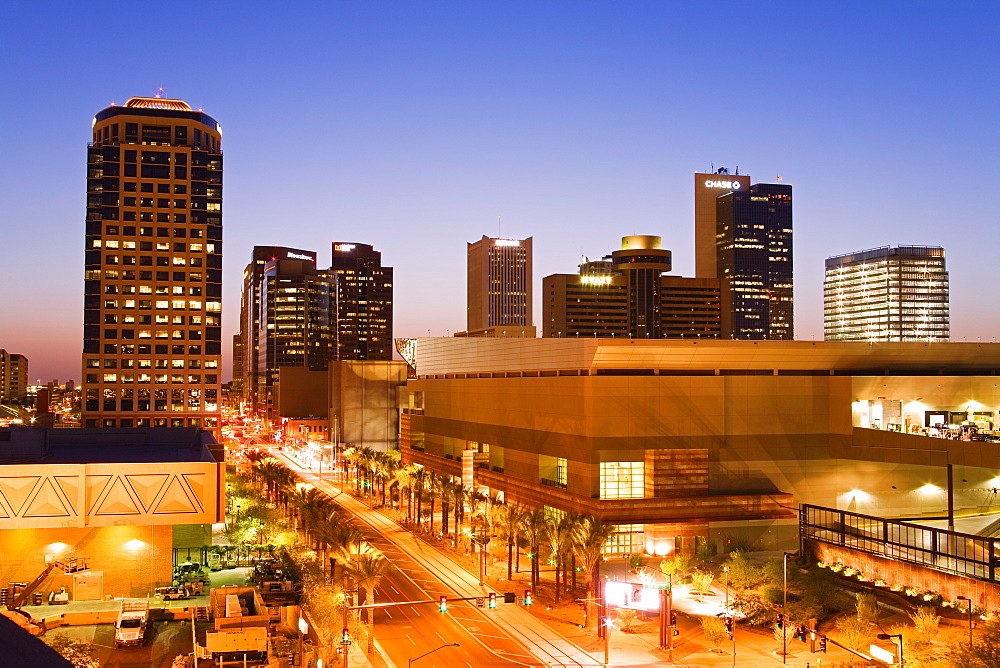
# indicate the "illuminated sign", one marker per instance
pixel 506 242
pixel 632 595
pixel 595 280
pixel 728 185
pixel 343 248
pixel 300 256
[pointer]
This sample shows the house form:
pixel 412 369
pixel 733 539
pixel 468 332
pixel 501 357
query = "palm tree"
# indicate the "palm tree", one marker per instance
pixel 459 496
pixel 510 517
pixel 559 536
pixel 534 529
pixel 417 477
pixel 367 569
pixel 589 538
pixel 432 485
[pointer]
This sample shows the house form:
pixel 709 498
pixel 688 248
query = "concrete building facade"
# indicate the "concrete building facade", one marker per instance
pixel 629 294
pixel 153 267
pixel 676 439
pixel 499 288
pixel 123 499
pixel 13 377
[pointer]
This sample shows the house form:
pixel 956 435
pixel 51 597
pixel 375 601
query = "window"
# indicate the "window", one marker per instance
pixel 622 480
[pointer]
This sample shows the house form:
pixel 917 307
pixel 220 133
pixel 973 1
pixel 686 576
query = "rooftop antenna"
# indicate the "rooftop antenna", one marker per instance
pixel 159 92
pixel 737 170
pixel 498 227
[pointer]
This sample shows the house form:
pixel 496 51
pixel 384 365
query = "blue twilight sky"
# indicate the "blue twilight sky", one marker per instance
pixel 413 125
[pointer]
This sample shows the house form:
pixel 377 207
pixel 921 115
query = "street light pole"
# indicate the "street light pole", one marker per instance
pixel 890 636
pixel 410 662
pixel 784 604
pixel 725 569
pixel 969 602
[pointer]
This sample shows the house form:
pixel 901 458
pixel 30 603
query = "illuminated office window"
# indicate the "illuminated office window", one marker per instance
pixel 622 480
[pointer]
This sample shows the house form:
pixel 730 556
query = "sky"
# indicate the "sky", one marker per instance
pixel 413 126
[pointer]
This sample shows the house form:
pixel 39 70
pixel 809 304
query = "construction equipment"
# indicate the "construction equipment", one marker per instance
pixel 24 595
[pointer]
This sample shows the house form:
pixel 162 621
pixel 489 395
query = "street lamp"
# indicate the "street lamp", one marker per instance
pixel 410 662
pixel 784 604
pixel 969 602
pixel 725 569
pixel 890 636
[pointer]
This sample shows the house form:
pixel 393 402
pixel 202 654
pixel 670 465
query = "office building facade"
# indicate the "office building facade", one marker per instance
pixel 707 190
pixel 499 286
pixel 279 283
pixel 364 302
pixel 887 294
pixel 13 377
pixel 628 294
pixel 754 259
pixel 153 274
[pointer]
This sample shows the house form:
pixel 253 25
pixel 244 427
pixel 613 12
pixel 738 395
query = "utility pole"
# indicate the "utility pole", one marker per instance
pixel 784 604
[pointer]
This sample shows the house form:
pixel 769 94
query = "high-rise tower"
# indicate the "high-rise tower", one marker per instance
pixel 364 296
pixel 887 294
pixel 499 286
pixel 754 255
pixel 153 273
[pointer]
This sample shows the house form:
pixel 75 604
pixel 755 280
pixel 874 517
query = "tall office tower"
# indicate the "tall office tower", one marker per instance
pixel 298 321
pixel 288 317
pixel 707 189
pixel 153 276
pixel 245 351
pixel 13 377
pixel 499 287
pixel 364 296
pixel 628 294
pixel 887 294
pixel 754 255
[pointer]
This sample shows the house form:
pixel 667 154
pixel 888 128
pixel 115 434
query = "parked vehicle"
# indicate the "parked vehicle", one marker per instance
pixel 130 627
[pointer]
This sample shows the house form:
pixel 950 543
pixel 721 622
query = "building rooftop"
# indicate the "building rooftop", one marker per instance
pixel 31 445
pixel 614 356
pixel 158 103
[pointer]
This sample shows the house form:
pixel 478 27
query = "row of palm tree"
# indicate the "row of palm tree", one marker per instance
pixel 337 544
pixel 570 539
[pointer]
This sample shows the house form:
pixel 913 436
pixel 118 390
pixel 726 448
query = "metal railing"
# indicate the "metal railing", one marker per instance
pixel 967 555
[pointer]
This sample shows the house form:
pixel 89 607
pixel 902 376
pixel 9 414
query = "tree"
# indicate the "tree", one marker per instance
pixel 590 536
pixel 701 581
pixel 534 531
pixel 559 536
pixel 368 569
pixel 743 573
pixel 510 517
pixel 867 606
pixel 672 566
pixel 715 630
pixel 853 632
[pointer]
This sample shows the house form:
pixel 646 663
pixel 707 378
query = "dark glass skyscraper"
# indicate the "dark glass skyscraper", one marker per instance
pixel 754 255
pixel 364 297
pixel 153 268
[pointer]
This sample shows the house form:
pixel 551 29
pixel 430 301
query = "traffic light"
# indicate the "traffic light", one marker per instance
pixel 822 643
pixel 480 602
pixel 493 600
pixel 779 621
pixel 673 617
pixel 345 637
pixel 443 603
pixel 729 624
pixel 527 597
pixel 800 633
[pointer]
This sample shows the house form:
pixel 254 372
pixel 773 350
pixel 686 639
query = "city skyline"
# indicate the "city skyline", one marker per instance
pixel 413 130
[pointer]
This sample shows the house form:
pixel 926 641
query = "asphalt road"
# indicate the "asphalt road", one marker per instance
pixel 406 632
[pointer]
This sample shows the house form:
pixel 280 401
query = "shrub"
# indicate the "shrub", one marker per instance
pixel 743 573
pixel 715 630
pixel 773 594
pixel 705 550
pixel 867 607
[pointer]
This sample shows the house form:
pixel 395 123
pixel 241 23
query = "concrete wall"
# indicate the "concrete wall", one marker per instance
pixel 364 407
pixel 134 559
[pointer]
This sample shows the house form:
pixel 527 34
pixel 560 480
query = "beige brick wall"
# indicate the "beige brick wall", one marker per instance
pixel 134 559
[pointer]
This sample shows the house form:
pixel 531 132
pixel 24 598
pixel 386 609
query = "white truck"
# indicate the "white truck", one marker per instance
pixel 130 627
